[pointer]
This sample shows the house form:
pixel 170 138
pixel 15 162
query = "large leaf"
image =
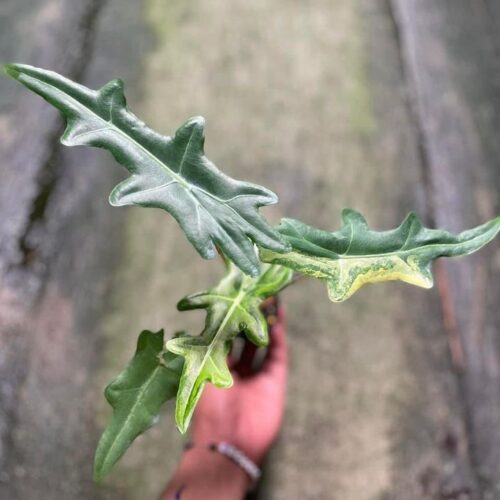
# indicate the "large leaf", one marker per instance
pixel 232 307
pixel 355 255
pixel 136 395
pixel 171 173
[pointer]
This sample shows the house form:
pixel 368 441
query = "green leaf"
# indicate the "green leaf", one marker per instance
pixel 232 307
pixel 171 173
pixel 136 395
pixel 355 255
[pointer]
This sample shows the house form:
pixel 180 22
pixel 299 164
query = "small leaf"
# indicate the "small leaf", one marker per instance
pixel 171 173
pixel 355 255
pixel 232 307
pixel 136 395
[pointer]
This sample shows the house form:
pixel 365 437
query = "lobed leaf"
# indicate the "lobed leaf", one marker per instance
pixel 171 173
pixel 232 307
pixel 355 255
pixel 136 395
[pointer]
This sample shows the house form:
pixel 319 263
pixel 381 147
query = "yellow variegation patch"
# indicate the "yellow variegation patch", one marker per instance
pixel 346 276
pixel 356 255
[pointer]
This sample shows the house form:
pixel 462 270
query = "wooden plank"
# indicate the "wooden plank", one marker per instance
pixel 451 53
pixel 50 301
pixel 27 148
pixel 309 99
pixel 27 145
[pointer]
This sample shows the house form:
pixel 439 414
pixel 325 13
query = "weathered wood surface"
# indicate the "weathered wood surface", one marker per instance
pixel 371 104
pixel 451 53
pixel 28 152
pixel 59 242
pixel 61 41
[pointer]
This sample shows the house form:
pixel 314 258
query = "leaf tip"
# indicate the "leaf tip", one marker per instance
pixel 271 197
pixel 182 418
pixel 183 304
pixel 12 70
pixel 197 121
pixel 196 125
pixel 253 271
pixel 113 86
pixel 182 427
pixel 172 345
pixel 98 476
pixel 100 470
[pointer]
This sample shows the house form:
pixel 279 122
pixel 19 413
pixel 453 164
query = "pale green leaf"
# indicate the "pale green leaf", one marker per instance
pixel 355 255
pixel 232 307
pixel 171 173
pixel 136 395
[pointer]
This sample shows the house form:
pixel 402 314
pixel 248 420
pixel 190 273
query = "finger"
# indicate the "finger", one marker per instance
pixel 249 358
pixel 276 361
pixel 235 353
pixel 245 365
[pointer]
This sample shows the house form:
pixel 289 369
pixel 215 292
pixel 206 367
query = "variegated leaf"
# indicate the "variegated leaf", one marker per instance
pixel 232 307
pixel 356 255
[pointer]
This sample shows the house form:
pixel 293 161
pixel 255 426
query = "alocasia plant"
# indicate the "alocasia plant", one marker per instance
pixel 217 212
pixel 232 307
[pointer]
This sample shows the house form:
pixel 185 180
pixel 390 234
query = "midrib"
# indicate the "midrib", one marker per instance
pixel 153 157
pixel 234 305
pixel 142 390
pixel 396 253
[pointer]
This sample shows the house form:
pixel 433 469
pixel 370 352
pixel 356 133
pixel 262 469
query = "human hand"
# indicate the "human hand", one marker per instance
pixel 249 414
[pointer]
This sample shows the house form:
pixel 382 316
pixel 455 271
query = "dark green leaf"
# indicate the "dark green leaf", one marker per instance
pixel 232 307
pixel 171 173
pixel 355 255
pixel 136 395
